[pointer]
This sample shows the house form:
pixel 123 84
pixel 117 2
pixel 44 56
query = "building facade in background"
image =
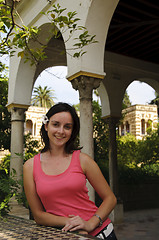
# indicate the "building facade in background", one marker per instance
pixel 33 121
pixel 137 119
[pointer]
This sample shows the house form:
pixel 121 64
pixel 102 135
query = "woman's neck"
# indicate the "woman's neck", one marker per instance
pixel 57 152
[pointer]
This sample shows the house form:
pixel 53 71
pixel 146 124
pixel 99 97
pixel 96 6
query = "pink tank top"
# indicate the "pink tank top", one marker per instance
pixel 66 194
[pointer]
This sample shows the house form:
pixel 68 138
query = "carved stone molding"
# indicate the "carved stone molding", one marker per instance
pixel 85 85
pixel 17 114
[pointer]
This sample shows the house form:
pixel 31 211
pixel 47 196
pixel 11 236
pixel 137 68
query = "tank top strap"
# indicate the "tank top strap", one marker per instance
pixel 76 159
pixel 36 165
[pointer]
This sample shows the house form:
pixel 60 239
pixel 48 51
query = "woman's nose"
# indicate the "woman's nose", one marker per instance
pixel 61 129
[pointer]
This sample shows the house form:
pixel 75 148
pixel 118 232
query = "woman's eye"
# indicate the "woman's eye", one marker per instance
pixel 67 127
pixel 55 124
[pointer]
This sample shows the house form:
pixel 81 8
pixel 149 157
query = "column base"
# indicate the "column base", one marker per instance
pixel 18 210
pixel 117 215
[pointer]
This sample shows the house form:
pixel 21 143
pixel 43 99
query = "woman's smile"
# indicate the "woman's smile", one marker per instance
pixel 59 137
pixel 59 128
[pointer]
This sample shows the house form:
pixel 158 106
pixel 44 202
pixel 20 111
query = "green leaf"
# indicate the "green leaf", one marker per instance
pixel 21 54
pixel 52 15
pixel 1 24
pixel 83 53
pixel 76 55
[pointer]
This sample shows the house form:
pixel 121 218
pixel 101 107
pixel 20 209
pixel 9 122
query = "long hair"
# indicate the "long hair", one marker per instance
pixel 62 107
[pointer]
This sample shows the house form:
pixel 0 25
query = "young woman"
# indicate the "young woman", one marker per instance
pixel 55 180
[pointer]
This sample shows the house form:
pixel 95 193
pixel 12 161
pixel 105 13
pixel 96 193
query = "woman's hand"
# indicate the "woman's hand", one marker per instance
pixel 75 223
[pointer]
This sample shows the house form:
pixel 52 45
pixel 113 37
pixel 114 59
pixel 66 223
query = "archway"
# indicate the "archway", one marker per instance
pixel 55 79
pixel 139 113
pixel 140 92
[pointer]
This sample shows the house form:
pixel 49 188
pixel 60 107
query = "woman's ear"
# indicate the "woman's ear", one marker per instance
pixel 46 127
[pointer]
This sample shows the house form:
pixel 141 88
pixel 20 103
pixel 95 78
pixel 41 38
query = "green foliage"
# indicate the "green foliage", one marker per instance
pixel 5 164
pixel 31 146
pixel 156 101
pixel 127 147
pixel 5 117
pixel 21 37
pixel 15 36
pixel 148 150
pixel 77 107
pixel 8 186
pixel 138 161
pixel 69 23
pixel 100 134
pixel 151 169
pixel 126 101
pixel 138 175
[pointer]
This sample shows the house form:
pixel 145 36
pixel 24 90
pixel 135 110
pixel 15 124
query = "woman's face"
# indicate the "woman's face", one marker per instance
pixel 59 128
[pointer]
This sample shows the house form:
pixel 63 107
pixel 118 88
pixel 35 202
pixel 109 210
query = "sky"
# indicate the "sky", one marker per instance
pixel 55 78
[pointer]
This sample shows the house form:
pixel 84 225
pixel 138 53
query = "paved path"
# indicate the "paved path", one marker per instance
pixel 139 225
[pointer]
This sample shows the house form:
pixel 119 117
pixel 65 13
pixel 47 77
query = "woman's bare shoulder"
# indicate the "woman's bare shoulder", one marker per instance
pixel 28 164
pixel 85 157
pixel 85 160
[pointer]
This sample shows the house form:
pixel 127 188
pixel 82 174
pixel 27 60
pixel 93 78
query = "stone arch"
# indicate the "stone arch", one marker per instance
pixel 55 51
pixel 149 124
pixel 127 126
pixel 104 99
pixel 23 75
pixel 29 126
pixel 97 21
pixel 152 82
pixel 121 71
pixel 143 130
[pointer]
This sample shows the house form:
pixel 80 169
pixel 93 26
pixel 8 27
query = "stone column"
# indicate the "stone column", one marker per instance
pixel 17 140
pixel 113 167
pixel 85 85
pixel 117 214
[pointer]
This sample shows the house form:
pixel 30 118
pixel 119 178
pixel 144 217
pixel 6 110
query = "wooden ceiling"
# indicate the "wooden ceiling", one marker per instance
pixel 134 30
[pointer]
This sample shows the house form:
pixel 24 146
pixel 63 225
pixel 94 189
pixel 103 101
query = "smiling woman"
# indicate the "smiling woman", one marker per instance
pixel 55 180
pixel 64 110
pixel 59 129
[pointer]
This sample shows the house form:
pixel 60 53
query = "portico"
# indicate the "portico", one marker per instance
pixel 109 72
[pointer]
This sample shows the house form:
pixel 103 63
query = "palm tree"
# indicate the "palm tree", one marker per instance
pixel 43 97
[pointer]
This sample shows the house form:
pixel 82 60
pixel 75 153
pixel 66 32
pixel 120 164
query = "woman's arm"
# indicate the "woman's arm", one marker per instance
pixel 97 180
pixel 99 183
pixel 40 215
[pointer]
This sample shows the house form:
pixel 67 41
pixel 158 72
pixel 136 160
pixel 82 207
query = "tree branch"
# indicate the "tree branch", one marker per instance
pixel 13 23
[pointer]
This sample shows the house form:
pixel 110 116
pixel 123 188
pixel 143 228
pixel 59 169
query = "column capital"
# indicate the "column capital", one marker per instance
pixel 17 105
pixel 17 114
pixel 112 119
pixel 85 85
